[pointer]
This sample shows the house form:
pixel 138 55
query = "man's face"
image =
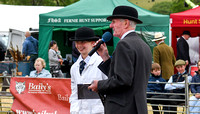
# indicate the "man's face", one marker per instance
pixel 186 37
pixel 117 26
pixel 180 68
pixel 198 66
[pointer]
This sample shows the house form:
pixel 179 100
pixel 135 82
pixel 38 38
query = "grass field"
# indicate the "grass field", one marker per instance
pixel 146 4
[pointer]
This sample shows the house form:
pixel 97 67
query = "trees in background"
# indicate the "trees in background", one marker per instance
pixel 39 2
pixel 162 8
pixel 172 7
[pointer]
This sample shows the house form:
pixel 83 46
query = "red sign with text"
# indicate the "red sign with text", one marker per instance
pixel 193 69
pixel 40 95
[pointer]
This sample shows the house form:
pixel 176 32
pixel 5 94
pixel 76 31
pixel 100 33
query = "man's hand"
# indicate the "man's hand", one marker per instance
pixel 60 61
pixel 102 51
pixel 94 85
pixel 28 57
pixel 186 62
pixel 197 95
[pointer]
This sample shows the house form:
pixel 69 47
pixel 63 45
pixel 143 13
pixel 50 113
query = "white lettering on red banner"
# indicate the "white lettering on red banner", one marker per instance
pixel 63 98
pixel 39 88
pixel 40 95
pixel 33 112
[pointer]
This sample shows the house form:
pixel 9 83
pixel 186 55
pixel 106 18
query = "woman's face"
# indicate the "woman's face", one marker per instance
pixel 38 66
pixel 54 46
pixel 84 47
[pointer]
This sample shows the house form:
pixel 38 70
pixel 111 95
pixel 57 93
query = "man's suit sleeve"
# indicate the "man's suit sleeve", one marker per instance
pixel 105 66
pixel 122 74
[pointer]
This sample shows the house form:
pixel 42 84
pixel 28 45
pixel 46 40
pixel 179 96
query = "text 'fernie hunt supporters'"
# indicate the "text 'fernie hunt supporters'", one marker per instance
pixel 84 20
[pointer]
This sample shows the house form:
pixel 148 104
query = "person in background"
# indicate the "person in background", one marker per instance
pixel 2 57
pixel 176 84
pixel 84 71
pixel 129 68
pixel 54 60
pixel 30 49
pixel 183 49
pixel 164 56
pixel 40 71
pixel 75 52
pixel 156 87
pixel 2 50
pixel 194 101
pixel 58 52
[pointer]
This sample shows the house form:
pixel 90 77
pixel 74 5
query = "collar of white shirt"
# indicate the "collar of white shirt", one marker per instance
pixel 86 60
pixel 160 42
pixel 127 33
pixel 182 73
pixel 184 38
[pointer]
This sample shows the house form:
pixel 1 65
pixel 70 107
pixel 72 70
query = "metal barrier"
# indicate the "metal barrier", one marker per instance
pixel 198 100
pixel 181 107
pixel 6 98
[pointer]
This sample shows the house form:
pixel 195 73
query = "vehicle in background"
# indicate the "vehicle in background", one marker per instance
pixel 3 44
pixel 16 38
pixel 4 37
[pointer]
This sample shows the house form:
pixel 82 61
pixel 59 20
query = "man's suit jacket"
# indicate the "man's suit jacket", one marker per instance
pixel 129 70
pixel 182 50
pixel 164 56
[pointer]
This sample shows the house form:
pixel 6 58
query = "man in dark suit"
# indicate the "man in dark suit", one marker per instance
pixel 128 69
pixel 183 48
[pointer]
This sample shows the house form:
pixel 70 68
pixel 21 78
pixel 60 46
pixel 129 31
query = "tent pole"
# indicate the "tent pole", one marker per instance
pixel 191 3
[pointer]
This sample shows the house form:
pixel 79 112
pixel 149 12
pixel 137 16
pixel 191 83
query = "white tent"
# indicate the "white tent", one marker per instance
pixel 22 17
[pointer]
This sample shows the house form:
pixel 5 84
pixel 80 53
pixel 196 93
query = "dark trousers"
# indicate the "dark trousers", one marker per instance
pixel 32 61
pixel 174 102
pixel 158 100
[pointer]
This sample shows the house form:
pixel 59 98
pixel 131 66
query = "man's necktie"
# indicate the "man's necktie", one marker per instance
pixel 82 64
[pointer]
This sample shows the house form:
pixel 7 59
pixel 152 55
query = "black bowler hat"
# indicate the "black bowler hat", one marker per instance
pixel 84 34
pixel 186 32
pixel 125 12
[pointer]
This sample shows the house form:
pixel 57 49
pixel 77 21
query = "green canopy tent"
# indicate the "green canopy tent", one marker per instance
pixel 60 24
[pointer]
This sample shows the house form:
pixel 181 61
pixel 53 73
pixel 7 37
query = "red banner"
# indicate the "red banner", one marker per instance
pixel 193 68
pixel 40 95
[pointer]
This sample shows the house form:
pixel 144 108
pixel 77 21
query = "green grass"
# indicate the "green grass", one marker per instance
pixel 146 4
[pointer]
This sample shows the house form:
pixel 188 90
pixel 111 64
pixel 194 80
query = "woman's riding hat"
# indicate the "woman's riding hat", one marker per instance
pixel 84 34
